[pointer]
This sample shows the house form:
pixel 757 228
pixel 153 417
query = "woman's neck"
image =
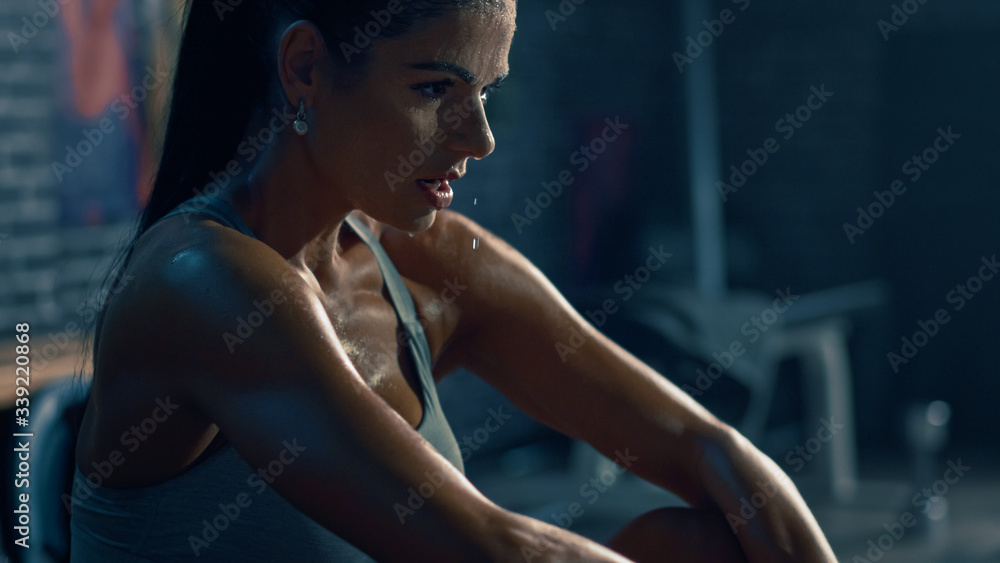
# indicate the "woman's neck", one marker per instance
pixel 285 215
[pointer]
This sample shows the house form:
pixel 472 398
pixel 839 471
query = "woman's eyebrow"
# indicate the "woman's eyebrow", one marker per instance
pixel 452 68
pixel 442 66
pixel 499 81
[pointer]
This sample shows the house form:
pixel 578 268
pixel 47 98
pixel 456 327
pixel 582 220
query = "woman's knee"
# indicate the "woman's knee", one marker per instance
pixel 684 534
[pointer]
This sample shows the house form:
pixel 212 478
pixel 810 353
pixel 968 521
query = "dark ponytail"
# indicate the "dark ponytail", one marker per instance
pixel 219 81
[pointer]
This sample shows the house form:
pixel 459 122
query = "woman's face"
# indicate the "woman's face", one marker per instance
pixel 390 145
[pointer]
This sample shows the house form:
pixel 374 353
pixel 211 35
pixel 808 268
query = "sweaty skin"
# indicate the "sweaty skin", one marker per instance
pixel 307 372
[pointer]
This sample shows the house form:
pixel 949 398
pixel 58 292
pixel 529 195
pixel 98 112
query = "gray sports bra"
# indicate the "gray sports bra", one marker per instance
pixel 221 509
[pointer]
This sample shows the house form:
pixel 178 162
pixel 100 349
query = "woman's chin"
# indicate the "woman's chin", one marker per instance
pixel 412 225
pixel 422 224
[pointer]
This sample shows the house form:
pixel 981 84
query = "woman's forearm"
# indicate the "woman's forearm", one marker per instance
pixel 761 504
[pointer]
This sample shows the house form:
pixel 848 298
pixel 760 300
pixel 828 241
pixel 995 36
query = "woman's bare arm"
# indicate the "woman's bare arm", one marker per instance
pixel 519 334
pixel 291 383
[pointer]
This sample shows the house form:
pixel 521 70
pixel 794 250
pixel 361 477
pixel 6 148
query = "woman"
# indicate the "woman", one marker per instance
pixel 273 372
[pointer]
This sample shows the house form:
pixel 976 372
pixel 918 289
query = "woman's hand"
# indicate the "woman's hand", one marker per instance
pixel 783 529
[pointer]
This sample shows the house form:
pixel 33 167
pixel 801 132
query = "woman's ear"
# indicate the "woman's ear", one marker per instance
pixel 301 54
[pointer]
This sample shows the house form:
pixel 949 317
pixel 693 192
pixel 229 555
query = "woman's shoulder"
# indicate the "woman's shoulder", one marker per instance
pixel 181 253
pixel 190 232
pixel 190 284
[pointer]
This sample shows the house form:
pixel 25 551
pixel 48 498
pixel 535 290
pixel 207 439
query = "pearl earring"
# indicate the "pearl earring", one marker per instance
pixel 300 125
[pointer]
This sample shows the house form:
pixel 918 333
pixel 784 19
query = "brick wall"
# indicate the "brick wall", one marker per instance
pixel 28 206
pixel 44 269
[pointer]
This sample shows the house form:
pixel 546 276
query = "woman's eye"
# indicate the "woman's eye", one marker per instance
pixel 433 90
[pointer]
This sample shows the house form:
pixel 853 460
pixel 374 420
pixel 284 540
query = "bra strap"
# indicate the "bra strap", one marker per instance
pixel 403 303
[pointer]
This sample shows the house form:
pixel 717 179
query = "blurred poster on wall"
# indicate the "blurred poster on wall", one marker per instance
pixel 115 68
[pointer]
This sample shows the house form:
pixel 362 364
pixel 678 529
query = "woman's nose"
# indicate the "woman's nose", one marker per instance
pixel 472 135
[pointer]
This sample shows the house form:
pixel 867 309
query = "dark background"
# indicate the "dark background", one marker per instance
pixel 785 226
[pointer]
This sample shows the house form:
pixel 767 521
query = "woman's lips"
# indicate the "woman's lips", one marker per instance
pixel 438 192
